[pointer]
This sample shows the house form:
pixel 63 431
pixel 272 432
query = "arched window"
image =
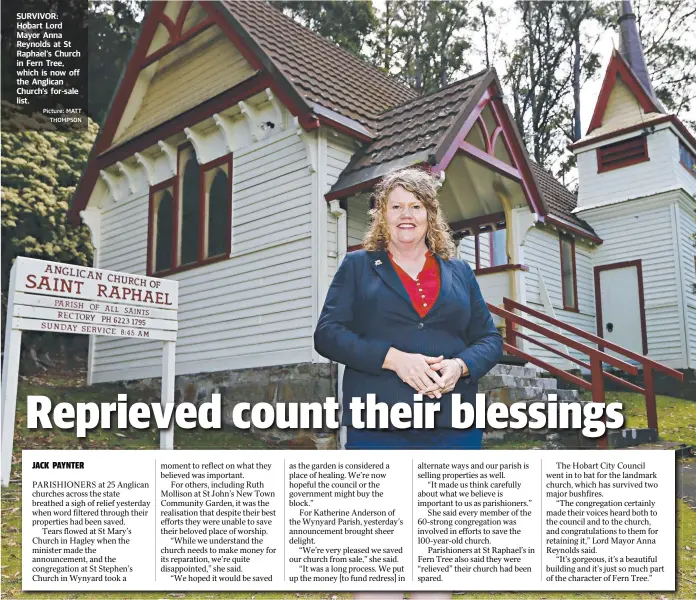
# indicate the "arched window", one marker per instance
pixel 218 217
pixel 190 215
pixel 190 211
pixel 164 229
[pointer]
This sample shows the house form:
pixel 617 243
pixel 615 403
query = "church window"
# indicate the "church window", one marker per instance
pixel 218 190
pixel 190 221
pixel 687 158
pixel 489 246
pixel 498 247
pixel 568 273
pixel 190 209
pixel 162 202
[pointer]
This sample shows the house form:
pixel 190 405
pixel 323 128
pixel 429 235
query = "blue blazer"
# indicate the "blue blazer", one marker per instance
pixel 368 310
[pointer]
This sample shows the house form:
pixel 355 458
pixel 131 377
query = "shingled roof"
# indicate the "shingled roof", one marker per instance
pixel 324 73
pixel 400 125
pixel 405 127
pixel 412 129
pixel 559 199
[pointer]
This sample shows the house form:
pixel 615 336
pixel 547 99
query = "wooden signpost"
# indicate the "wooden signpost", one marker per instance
pixel 55 297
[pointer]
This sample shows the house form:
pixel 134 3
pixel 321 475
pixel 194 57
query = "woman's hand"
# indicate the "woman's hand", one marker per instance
pixel 416 371
pixel 450 370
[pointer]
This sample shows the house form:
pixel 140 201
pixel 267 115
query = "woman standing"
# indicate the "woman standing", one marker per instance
pixel 404 317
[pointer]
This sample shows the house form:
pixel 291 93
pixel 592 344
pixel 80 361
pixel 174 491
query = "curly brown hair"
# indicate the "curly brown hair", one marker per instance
pixel 423 186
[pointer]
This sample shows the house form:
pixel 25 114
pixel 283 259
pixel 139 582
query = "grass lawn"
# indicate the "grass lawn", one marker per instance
pixel 674 425
pixel 676 417
pixel 515 444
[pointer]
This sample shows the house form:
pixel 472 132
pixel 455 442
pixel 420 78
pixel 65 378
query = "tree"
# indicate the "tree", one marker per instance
pixel 385 46
pixel 667 33
pixel 486 13
pixel 346 24
pixel 539 81
pixel 434 39
pixel 40 171
pixel 422 42
pixel 585 64
pixel 113 29
pixel 545 70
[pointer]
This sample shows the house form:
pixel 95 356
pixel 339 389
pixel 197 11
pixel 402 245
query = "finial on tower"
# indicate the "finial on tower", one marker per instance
pixel 630 46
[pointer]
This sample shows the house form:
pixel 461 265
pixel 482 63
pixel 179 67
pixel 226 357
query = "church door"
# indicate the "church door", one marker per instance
pixel 620 305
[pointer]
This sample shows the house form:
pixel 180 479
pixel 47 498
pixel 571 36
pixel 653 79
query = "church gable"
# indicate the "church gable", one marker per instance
pixel 623 108
pixel 204 67
pixel 623 101
pixel 189 60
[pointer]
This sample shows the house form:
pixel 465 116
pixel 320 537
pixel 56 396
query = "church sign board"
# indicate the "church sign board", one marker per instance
pixel 56 297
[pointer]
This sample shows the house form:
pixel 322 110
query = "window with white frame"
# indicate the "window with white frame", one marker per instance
pixel 568 272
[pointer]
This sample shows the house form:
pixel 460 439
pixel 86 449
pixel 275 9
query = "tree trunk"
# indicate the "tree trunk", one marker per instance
pixel 577 128
pixel 419 75
pixel 483 9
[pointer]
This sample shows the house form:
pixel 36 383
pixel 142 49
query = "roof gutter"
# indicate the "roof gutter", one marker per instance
pixel 560 223
pixel 344 124
pixel 366 178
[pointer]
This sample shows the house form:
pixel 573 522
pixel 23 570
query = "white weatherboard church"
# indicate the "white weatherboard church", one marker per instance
pixel 238 158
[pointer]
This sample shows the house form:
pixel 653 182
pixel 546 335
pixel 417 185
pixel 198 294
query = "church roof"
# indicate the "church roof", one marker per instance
pixel 631 48
pixel 411 132
pixel 326 84
pixel 560 201
pixel 323 72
